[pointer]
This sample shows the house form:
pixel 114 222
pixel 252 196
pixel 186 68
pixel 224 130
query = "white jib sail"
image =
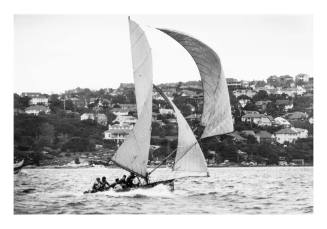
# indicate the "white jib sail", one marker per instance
pixel 216 115
pixel 134 152
pixel 189 156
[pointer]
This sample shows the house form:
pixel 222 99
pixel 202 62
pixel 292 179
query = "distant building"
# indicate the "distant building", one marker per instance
pixel 128 106
pixel 31 94
pixel 37 109
pixel 302 77
pixel 120 111
pixel 279 121
pixel 287 104
pixel 302 133
pixel 233 83
pixel 265 136
pixel 126 119
pixel 296 116
pixel 87 116
pixel 290 135
pixel 164 111
pixel 250 112
pixel 117 133
pixel 193 117
pixel 39 100
pixel 258 119
pixel 248 92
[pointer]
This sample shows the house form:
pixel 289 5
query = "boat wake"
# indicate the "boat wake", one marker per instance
pixel 157 191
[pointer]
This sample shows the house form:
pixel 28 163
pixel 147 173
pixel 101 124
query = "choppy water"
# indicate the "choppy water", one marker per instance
pixel 265 190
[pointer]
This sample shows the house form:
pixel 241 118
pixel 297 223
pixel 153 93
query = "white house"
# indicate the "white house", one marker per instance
pixel 87 116
pixel 39 100
pixel 248 92
pixel 290 135
pixel 279 121
pixel 302 133
pixel 36 109
pixel 164 111
pixel 117 132
pixel 258 119
pixel 126 119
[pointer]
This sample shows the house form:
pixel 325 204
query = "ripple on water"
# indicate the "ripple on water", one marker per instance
pixel 228 190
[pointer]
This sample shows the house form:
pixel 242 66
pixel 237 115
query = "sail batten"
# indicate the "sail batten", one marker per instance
pixel 216 115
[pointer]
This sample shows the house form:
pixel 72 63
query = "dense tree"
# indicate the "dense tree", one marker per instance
pixel 21 102
pixel 261 95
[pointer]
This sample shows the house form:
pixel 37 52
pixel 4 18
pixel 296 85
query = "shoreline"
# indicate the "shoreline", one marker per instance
pixel 115 167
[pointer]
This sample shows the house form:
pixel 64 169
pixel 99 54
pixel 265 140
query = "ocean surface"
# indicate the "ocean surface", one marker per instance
pixel 250 190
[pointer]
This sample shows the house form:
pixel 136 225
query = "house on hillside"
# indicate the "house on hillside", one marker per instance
pixel 126 120
pixel 279 121
pixel 290 134
pixel 119 111
pixel 265 137
pixel 248 92
pixel 164 111
pixel 41 100
pixel 87 116
pixel 193 117
pixel 37 109
pixel 287 104
pixel 250 112
pixel 117 133
pixel 302 133
pixel 258 119
pixel 296 116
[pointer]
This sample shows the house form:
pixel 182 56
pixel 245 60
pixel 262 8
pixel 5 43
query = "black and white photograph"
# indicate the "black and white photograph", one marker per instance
pixel 163 114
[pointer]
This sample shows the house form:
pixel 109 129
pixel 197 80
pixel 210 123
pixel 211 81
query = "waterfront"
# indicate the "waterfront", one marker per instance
pixel 261 190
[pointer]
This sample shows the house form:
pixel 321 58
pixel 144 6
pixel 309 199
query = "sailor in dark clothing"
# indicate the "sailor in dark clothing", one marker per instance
pixel 115 183
pixel 129 180
pixel 122 181
pixel 105 184
pixel 97 185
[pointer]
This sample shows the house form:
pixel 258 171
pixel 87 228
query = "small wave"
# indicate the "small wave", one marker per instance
pixel 204 194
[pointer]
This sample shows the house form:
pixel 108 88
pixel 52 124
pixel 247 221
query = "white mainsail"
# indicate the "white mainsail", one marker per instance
pixel 133 154
pixel 142 65
pixel 216 116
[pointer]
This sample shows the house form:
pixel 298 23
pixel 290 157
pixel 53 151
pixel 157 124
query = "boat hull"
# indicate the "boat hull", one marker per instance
pixel 169 183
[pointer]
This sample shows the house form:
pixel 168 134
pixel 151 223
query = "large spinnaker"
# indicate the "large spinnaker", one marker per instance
pixel 133 154
pixel 216 116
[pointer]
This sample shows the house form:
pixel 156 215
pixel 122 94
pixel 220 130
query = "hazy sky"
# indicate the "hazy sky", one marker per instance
pixel 56 53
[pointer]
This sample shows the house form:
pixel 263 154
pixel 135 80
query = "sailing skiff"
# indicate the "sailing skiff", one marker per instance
pixel 133 154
